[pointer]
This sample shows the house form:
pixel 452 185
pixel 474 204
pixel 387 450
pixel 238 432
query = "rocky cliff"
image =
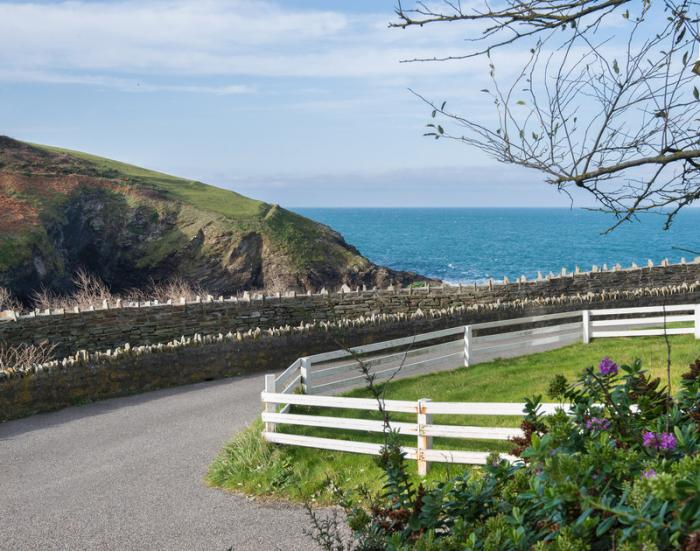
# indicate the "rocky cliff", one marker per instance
pixel 63 210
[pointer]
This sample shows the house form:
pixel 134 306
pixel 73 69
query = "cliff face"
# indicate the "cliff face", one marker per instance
pixel 62 210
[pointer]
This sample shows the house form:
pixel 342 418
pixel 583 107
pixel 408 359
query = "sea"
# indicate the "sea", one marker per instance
pixel 465 245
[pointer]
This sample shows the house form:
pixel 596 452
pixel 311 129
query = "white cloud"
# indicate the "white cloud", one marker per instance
pixel 211 37
pixel 123 84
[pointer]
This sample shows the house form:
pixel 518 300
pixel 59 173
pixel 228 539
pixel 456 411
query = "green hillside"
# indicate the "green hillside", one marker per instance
pixel 202 196
pixel 65 210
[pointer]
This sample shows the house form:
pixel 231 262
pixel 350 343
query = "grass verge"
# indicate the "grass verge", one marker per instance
pixel 250 465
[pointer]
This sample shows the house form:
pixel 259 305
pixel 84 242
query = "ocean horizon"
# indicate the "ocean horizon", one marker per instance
pixel 473 244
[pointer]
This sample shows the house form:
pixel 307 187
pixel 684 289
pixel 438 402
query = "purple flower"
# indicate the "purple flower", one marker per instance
pixel 607 367
pixel 668 441
pixel 597 423
pixel 649 473
pixel 659 441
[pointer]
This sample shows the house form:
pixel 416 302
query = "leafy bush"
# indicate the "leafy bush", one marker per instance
pixel 620 471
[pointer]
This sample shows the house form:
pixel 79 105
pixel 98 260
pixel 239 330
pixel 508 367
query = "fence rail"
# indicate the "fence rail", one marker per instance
pixel 423 429
pixel 322 375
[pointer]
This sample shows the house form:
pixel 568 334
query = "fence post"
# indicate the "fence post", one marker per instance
pixel 467 345
pixel 424 442
pixel 697 321
pixel 586 319
pixel 270 386
pixel 306 375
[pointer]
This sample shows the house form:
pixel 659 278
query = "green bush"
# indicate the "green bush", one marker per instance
pixel 620 471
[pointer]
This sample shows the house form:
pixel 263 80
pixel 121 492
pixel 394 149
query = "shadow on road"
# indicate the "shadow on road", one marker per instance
pixel 40 421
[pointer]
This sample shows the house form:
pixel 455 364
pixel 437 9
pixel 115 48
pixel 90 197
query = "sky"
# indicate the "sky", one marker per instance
pixel 300 102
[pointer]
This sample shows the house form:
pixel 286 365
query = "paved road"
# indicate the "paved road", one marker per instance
pixel 127 474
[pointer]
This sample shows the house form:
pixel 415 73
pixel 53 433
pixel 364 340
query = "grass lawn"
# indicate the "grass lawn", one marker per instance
pixel 255 467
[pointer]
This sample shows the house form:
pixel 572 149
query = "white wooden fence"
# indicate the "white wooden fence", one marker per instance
pixel 322 375
pixel 619 322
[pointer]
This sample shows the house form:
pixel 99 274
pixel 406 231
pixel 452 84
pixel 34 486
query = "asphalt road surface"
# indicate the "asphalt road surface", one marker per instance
pixel 127 474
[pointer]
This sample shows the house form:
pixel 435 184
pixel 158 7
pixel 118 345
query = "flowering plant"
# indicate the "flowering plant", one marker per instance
pixel 620 469
pixel 607 367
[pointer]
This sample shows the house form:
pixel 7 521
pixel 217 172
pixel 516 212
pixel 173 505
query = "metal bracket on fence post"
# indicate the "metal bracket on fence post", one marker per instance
pixel 306 375
pixel 467 345
pixel 270 386
pixel 697 321
pixel 424 442
pixel 586 319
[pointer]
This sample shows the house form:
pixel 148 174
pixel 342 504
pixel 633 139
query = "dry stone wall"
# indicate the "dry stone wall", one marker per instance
pixel 116 349
pixel 108 326
pixel 97 376
pixel 126 370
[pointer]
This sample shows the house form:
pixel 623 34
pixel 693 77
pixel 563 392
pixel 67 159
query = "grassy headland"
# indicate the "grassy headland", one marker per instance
pixel 64 210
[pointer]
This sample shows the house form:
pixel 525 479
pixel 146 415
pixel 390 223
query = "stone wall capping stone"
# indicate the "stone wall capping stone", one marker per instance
pixel 199 338
pixel 10 315
pixel 99 328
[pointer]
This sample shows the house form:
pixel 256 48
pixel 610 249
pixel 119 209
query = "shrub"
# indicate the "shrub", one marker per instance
pixel 22 358
pixel 8 301
pixel 173 289
pixel 620 471
pixel 90 290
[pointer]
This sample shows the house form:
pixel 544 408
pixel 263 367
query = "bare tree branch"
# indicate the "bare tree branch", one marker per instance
pixel 611 110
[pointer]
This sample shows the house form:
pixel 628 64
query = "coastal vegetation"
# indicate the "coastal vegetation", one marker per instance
pixel 619 470
pixel 89 291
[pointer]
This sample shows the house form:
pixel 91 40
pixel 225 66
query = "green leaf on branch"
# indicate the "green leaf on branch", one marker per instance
pixel 605 526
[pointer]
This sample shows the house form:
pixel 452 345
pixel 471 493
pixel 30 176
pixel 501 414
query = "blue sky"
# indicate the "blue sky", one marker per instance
pixel 302 103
